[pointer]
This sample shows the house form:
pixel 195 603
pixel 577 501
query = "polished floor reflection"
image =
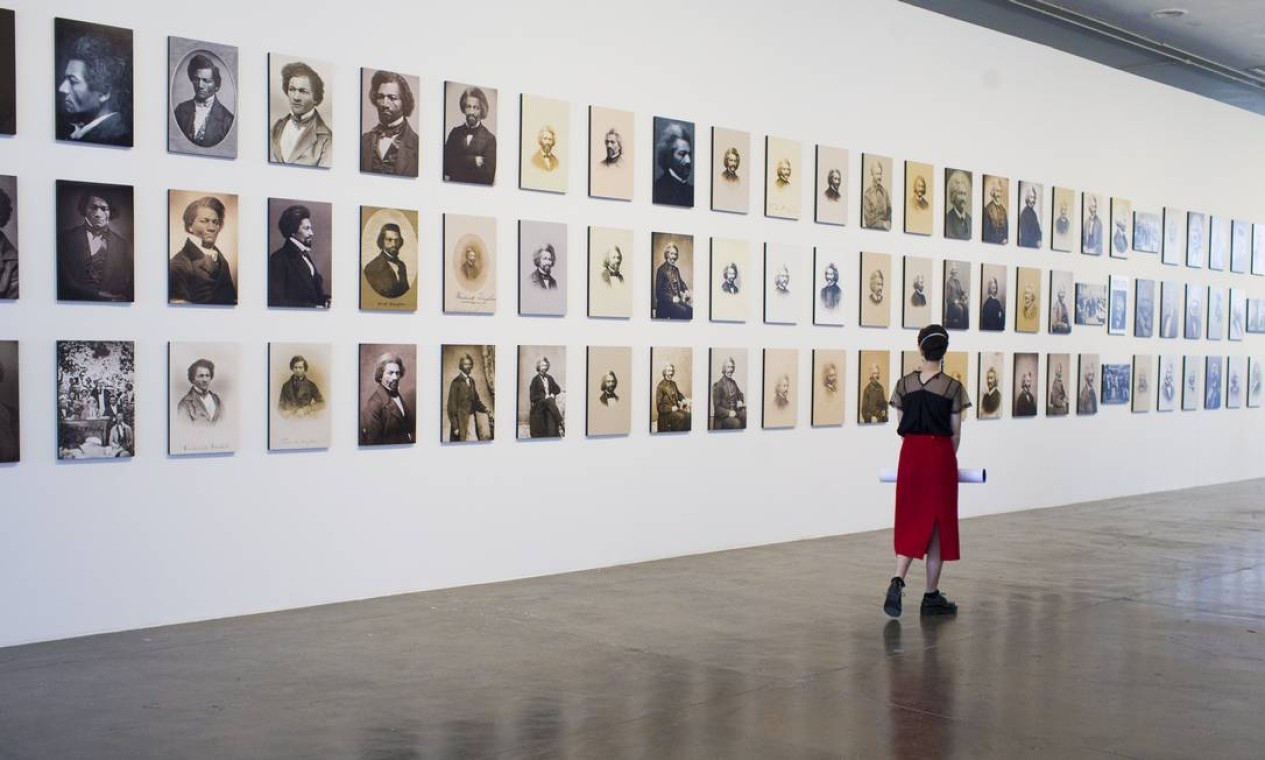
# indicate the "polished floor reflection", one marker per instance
pixel 1127 628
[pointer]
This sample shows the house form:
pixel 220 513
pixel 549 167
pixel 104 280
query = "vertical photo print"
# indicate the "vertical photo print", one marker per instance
pixel 298 383
pixel 920 198
pixel 1027 381
pixel 1240 246
pixel 609 390
pixel 1217 312
pixel 957 365
pixel 8 73
pixel 1192 371
pixel 1148 232
pixel 830 197
pixel 1238 314
pixel 1061 311
pixel 388 259
pixel 301 111
pixel 10 406
pixel 611 160
pixel 992 310
pixel 785 279
pixel 202 98
pixel 469 264
pixel 783 178
pixel 1031 203
pixel 874 380
pixel 542 269
pixel 671 382
pixel 671 297
pixel 388 394
pixel 1194 311
pixel 731 275
pixel 1255 381
pixel 916 300
pixel 389 143
pixel 544 144
pixel 1173 252
pixel 9 280
pixel 204 398
pixel 95 259
pixel 1235 380
pixel 93 71
pixel 96 399
pixel 470 122
pixel 731 184
pixel 957 289
pixel 1168 394
pixel 957 204
pixel 673 172
pixel 1087 389
pixel 1027 300
pixel 1091 224
pixel 828 304
pixel 781 388
pixel 1170 309
pixel 728 373
pixel 1121 220
pixel 610 273
pixel 1258 249
pixel 1058 372
pixel 992 371
pixel 996 201
pixel 202 235
pixel 829 369
pixel 1117 305
pixel 1063 224
pixel 876 199
pixel 468 402
pixel 1143 382
pixel 1213 368
pixel 542 394
pixel 1218 243
pixel 876 272
pixel 1143 308
pixel 1196 240
pixel 1115 384
pixel 300 267
pixel 1091 304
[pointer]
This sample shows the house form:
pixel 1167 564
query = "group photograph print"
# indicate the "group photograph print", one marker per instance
pixel 468 402
pixel 470 124
pixel 673 171
pixel 96 399
pixel 202 98
pixel 204 398
pixel 389 143
pixel 202 238
pixel 298 386
pixel 388 394
pixel 93 70
pixel 389 259
pixel 301 111
pixel 300 266
pixel 95 257
pixel 610 387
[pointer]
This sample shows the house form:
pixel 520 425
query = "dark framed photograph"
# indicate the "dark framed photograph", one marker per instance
pixel 992 310
pixel 728 398
pixel 673 172
pixel 470 119
pixel 10 406
pixel 1032 203
pixel 388 112
pixel 542 269
pixel 876 198
pixel 202 232
pixel 9 279
pixel 1057 370
pixel 671 383
pixel 202 98
pixel 1091 303
pixel 96 399
pixel 1087 393
pixel 94 83
pixel 204 398
pixel 671 296
pixel 542 392
pixel 1116 384
pixel 957 289
pixel 610 389
pixel 300 271
pixel 301 110
pixel 95 259
pixel 468 403
pixel 873 381
pixel 388 394
pixel 1027 380
pixel 996 202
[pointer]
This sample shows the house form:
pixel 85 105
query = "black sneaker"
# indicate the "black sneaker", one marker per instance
pixel 935 604
pixel 891 605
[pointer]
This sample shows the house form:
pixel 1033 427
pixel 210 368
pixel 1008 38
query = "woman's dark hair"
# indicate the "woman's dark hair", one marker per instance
pixel 933 341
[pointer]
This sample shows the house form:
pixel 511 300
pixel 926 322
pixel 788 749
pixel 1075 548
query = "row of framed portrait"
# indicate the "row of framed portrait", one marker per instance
pixel 93 97
pixel 97 403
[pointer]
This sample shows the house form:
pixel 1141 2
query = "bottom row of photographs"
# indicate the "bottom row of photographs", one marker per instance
pixel 96 399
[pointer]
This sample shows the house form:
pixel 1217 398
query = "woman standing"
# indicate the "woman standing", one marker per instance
pixel 929 408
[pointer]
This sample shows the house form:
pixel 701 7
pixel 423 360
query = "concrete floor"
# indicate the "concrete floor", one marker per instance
pixel 1125 628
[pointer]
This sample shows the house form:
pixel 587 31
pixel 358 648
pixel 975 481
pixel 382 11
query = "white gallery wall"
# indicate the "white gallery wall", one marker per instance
pixel 106 545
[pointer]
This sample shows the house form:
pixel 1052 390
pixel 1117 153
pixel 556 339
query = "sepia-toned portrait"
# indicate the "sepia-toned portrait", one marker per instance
pixel 8 74
pixel 920 197
pixel 783 178
pixel 1194 311
pixel 388 394
pixel 1173 252
pixel 1057 395
pixel 1027 380
pixel 1117 305
pixel 916 300
pixel 730 280
pixel 204 396
pixel 1171 312
pixel 873 381
pixel 731 165
pixel 468 402
pixel 1148 233
pixel 611 160
pixel 300 270
pixel 298 386
pixel 1192 374
pixel 96 399
pixel 469 264
pixel 876 195
pixel 610 272
pixel 992 372
pixel 1063 220
pixel 1168 392
pixel 785 283
pixel 671 383
pixel 1027 300
pixel 875 279
pixel 1116 383
pixel 1091 303
pixel 957 204
pixel 831 194
pixel 301 111
pixel 781 388
pixel 544 144
pixel 93 71
pixel 828 300
pixel 1091 224
pixel 829 371
pixel 388 259
pixel 1121 218
pixel 542 269
pixel 992 308
pixel 1196 239
pixel 9 279
pixel 671 295
pixel 202 98
pixel 1062 307
pixel 1143 382
pixel 957 298
pixel 996 202
pixel 727 389
pixel 95 259
pixel 1218 243
pixel 1087 385
pixel 389 143
pixel 1240 245
pixel 673 172
pixel 542 392
pixel 10 406
pixel 609 390
pixel 470 119
pixel 202 236
pixel 1031 203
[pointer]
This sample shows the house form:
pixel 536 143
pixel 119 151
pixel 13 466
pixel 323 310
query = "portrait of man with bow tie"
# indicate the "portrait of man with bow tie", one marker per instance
pixel 388 259
pixel 470 150
pixel 299 267
pixel 203 77
pixel 388 403
pixel 389 144
pixel 94 242
pixel 300 135
pixel 203 265
pixel 94 83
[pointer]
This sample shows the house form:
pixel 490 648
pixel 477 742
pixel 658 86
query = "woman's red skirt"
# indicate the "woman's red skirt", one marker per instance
pixel 927 496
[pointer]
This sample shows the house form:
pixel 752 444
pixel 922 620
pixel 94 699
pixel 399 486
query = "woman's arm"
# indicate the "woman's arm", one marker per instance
pixel 955 420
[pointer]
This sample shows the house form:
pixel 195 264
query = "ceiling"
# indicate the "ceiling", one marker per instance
pixel 1209 50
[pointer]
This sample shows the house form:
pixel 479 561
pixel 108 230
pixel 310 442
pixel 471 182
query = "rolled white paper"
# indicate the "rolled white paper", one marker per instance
pixel 888 475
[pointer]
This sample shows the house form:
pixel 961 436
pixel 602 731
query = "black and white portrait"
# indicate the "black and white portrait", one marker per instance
pixel 203 398
pixel 1031 203
pixel 8 74
pixel 298 392
pixel 1192 371
pixel 1235 381
pixel 916 300
pixel 542 269
pixel 1091 303
pixel 996 226
pixel 299 267
pixel 1168 389
pixel 1057 369
pixel 673 172
pixel 876 194
pixel 1116 383
pixel 671 383
pixel 1117 305
pixel 1144 308
pixel 957 289
pixel 1143 382
pixel 1240 245
pixel 301 109
pixel 1173 251
pixel 1170 309
pixel 96 399
pixel 202 240
pixel 1062 305
pixel 873 379
pixel 1087 385
pixel 1148 232
pixel 957 204
pixel 612 145
pixel 94 242
pixel 1063 220
pixel 542 391
pixel 388 394
pixel 1218 311
pixel 731 170
pixel 1196 239
pixel 94 83
pixel 610 390
pixel 1255 382
pixel 920 205
pixel 831 194
pixel 672 296
pixel 727 391
pixel 389 143
pixel 785 283
pixel 1027 380
pixel 992 309
pixel 9 280
pixel 992 372
pixel 610 272
pixel 388 259
pixel 1121 228
pixel 1027 299
pixel 470 117
pixel 828 301
pixel 202 97
pixel 468 377
pixel 783 178
pixel 1194 311
pixel 10 408
pixel 829 366
pixel 1218 243
pixel 1213 390
pixel 875 283
pixel 1238 314
pixel 781 388
pixel 730 280
pixel 469 264
pixel 1091 224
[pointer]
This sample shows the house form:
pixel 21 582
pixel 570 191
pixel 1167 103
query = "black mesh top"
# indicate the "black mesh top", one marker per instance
pixel 927 408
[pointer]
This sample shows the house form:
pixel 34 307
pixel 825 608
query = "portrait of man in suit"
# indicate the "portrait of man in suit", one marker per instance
pixel 674 163
pixel 876 201
pixel 1029 217
pixel 544 417
pixel 387 417
pixel 544 158
pixel 834 186
pixel 608 392
pixel 611 263
pixel 1091 227
pixel 957 217
pixel 614 144
pixel 203 119
pixel 672 405
pixel 387 273
pixel 293 277
pixel 470 150
pixel 673 298
pixel 729 405
pixel 391 145
pixel 10 423
pixel 198 272
pixel 201 405
pixel 732 160
pixel 544 258
pixel 94 252
pixel 996 214
pixel 299 396
pixel 94 91
pixel 302 136
pixel 8 251
pixel 464 402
